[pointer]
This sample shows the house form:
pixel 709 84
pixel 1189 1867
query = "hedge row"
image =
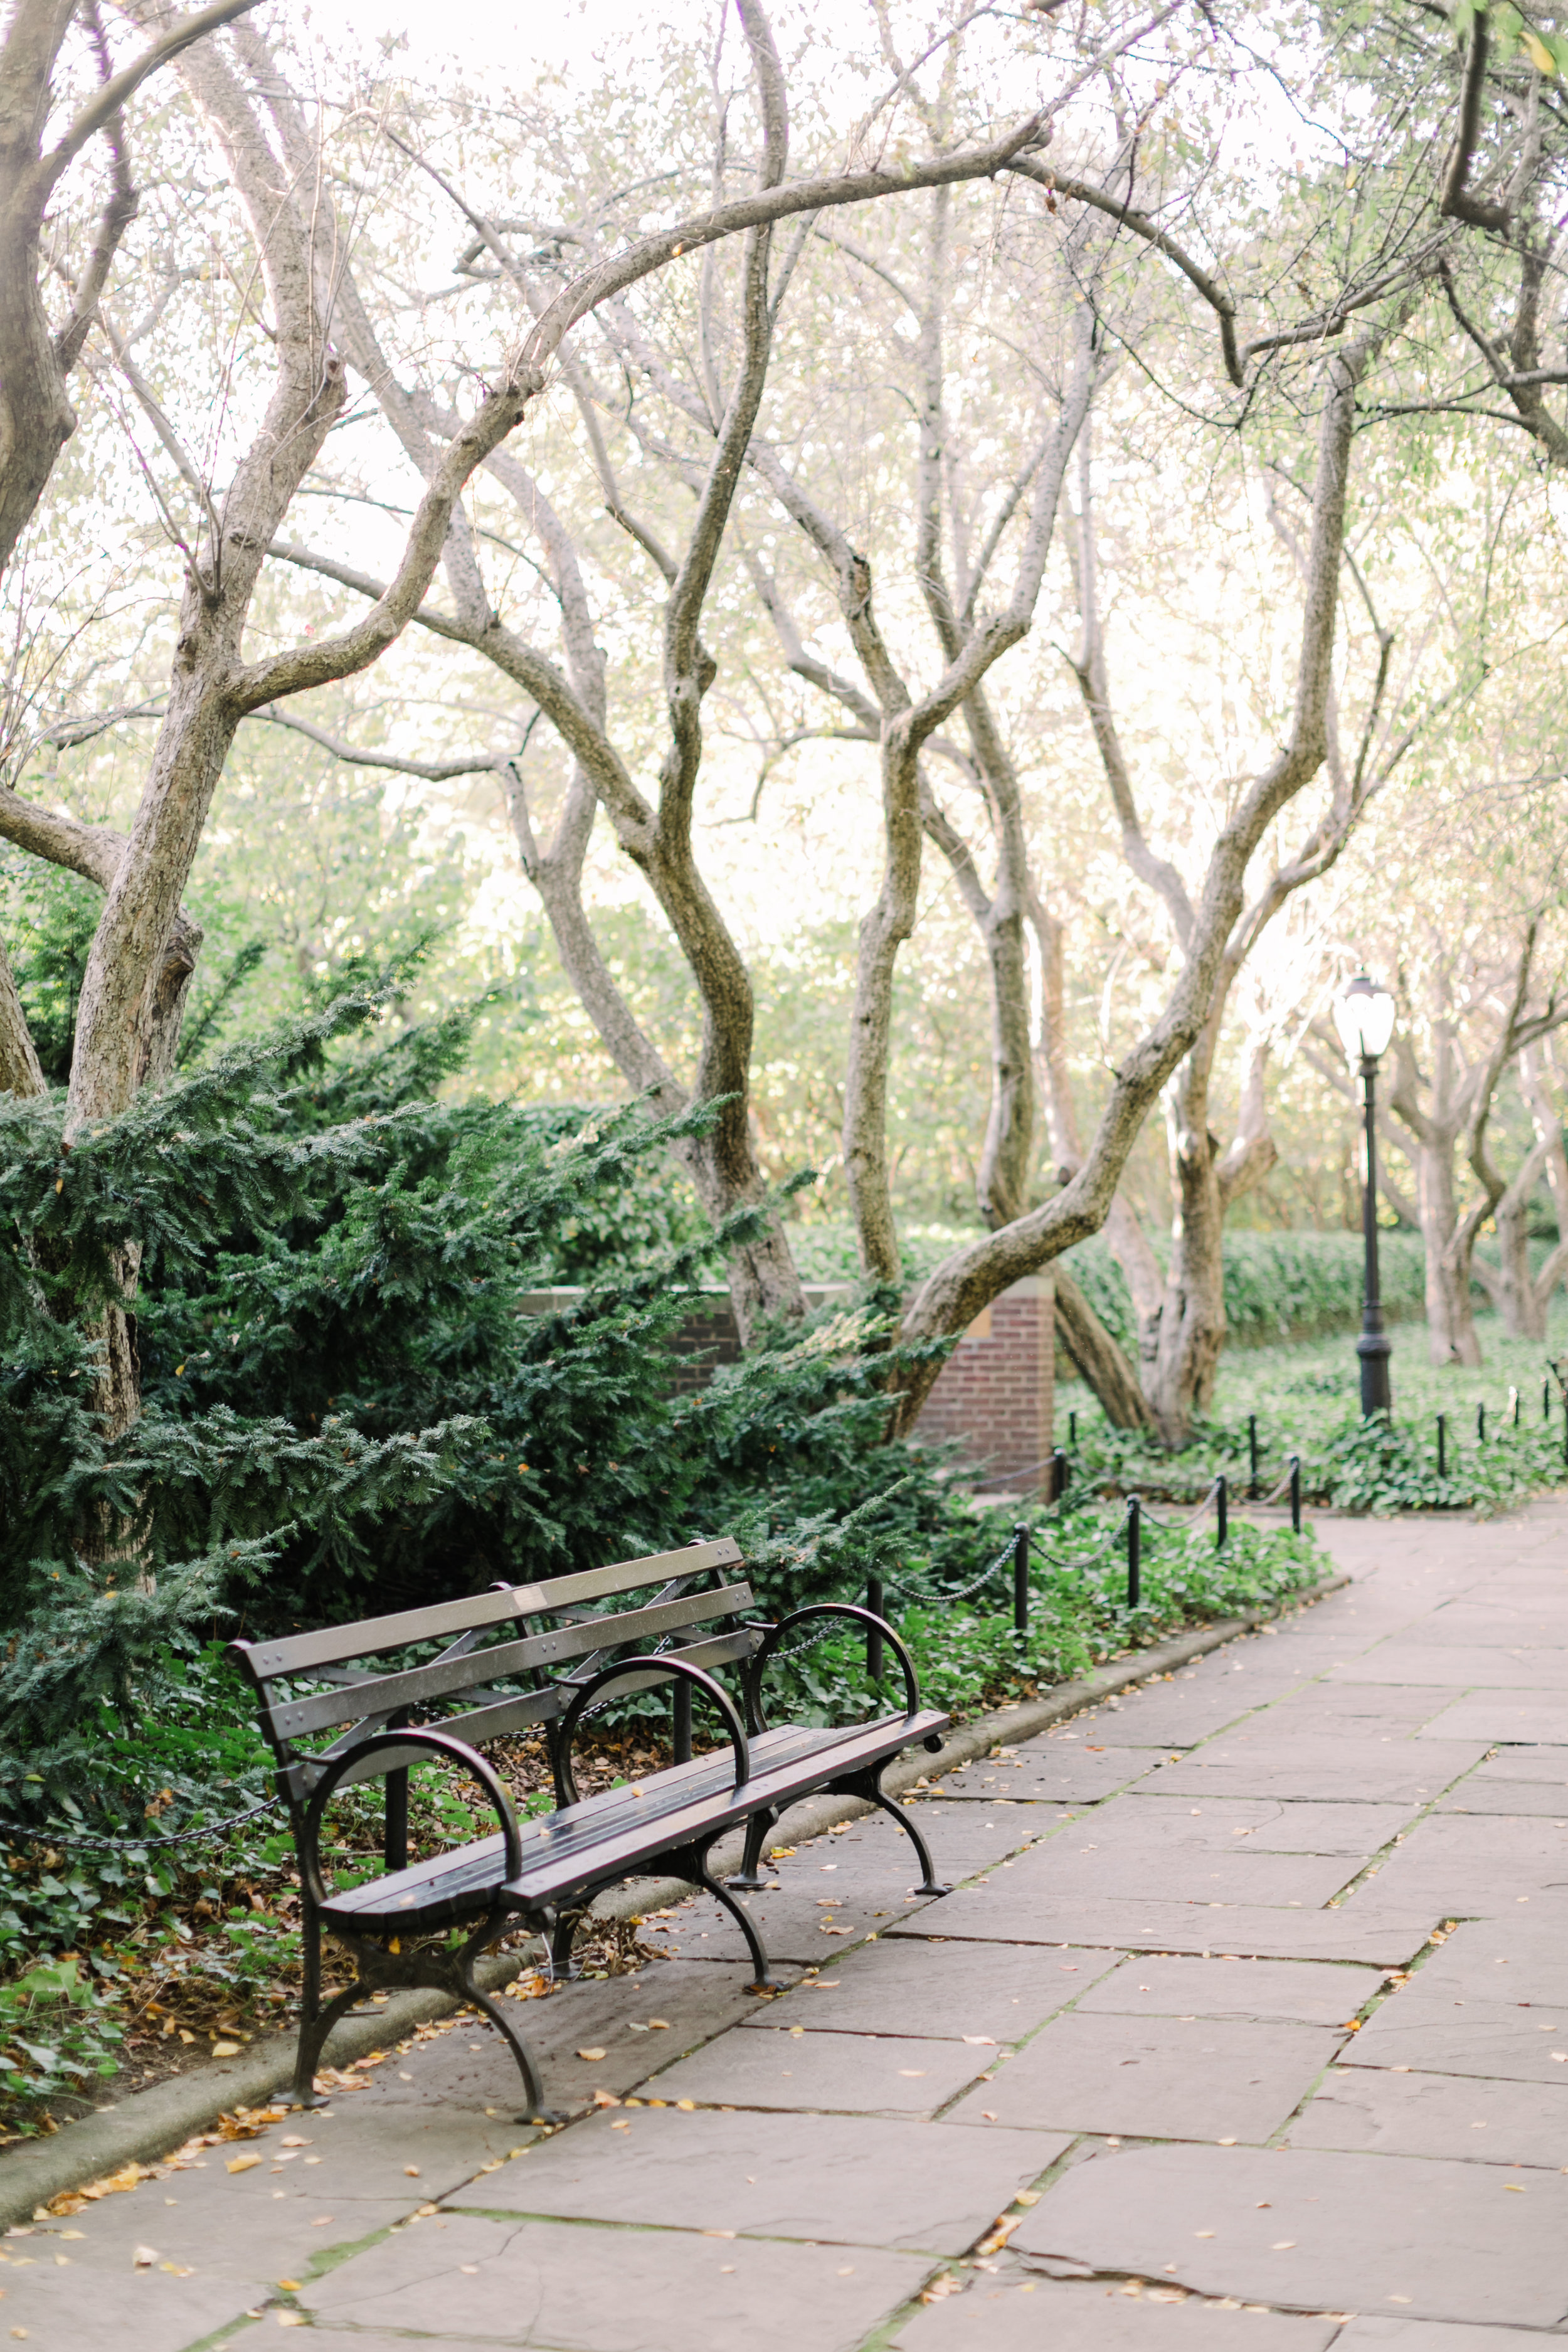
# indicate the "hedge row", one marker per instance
pixel 1277 1286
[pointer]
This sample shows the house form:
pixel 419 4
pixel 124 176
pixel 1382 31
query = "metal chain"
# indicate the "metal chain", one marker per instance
pixel 206 1830
pixel 909 1592
pixel 1176 1527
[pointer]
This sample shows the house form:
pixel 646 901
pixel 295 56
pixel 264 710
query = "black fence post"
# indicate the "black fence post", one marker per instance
pixel 1061 1474
pixel 876 1603
pixel 1513 1408
pixel 1134 1551
pixel 1565 1429
pixel 1221 1511
pixel 1252 1456
pixel 1295 1494
pixel 1442 1445
pixel 1021 1577
pixel 1072 1431
pixel 1546 1402
pixel 1480 1425
pixel 683 1723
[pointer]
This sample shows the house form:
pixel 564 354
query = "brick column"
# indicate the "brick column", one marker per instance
pixel 996 1392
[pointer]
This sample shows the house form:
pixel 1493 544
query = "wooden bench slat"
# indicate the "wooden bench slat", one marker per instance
pixel 510 1714
pixel 389 1694
pixel 629 1575
pixel 297 1652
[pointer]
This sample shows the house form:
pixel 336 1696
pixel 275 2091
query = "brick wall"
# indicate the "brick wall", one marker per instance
pixel 996 1392
pixel 995 1396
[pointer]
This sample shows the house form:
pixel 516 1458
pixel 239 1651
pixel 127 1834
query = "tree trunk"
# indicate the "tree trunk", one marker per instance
pixel 20 1073
pixel 1523 1314
pixel 1096 1355
pixel 1451 1319
pixel 1179 1383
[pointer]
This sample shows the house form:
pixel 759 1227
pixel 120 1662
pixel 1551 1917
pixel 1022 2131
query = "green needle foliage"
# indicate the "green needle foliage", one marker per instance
pixel 347 1408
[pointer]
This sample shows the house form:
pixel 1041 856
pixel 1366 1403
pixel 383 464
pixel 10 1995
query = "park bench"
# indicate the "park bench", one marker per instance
pixel 334 1716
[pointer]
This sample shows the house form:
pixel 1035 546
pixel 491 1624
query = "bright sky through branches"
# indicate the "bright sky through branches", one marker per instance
pixel 478 33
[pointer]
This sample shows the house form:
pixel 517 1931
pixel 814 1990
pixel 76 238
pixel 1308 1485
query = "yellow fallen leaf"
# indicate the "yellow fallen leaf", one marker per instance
pixel 661 2025
pixel 144 2257
pixel 689 2105
pixel 289 2286
pixel 590 2053
pixel 242 2163
pixel 225 2049
pixel 412 2170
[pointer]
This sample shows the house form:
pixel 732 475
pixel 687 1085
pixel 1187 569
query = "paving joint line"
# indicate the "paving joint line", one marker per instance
pixel 148 2124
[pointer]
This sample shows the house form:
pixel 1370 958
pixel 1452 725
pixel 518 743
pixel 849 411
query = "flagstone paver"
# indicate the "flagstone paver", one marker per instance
pixel 947 1990
pixel 557 2283
pixel 1194 2056
pixel 1025 2316
pixel 1480 2121
pixel 1307 2229
pixel 843 2179
pixel 861 2074
pixel 1286 1992
pixel 1157 2078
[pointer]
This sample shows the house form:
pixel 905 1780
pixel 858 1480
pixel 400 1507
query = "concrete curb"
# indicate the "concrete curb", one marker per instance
pixel 148 2124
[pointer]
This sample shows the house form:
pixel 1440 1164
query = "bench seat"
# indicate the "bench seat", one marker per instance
pixel 604 1838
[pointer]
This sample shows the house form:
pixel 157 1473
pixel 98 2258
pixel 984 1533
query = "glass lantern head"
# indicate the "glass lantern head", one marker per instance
pixel 1363 1016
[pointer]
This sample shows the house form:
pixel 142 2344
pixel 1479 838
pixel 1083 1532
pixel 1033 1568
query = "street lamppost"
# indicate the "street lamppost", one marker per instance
pixel 1364 1019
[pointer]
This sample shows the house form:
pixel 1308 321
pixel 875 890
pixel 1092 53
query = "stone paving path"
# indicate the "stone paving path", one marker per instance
pixel 1247 2026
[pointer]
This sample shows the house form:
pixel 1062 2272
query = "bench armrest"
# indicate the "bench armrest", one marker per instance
pixel 440 1743
pixel 566 1785
pixel 866 1617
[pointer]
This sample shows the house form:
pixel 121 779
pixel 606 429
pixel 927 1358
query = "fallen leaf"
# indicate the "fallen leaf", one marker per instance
pixel 242 2163
pixel 658 2025
pixel 289 2286
pixel 981 2040
pixel 225 2050
pixel 412 2170
pixel 144 2257
pixel 591 2054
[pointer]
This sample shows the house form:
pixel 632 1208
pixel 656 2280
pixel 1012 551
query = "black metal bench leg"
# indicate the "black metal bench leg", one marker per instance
pixel 691 1863
pixel 747 1877
pixel 870 1786
pixel 313 2033
pixel 563 1966
pixel 535 2112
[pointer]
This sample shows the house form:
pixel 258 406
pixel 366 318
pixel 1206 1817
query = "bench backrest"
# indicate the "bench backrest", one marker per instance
pixel 309 1683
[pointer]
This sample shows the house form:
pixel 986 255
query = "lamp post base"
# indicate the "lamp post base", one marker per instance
pixel 1374 1349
